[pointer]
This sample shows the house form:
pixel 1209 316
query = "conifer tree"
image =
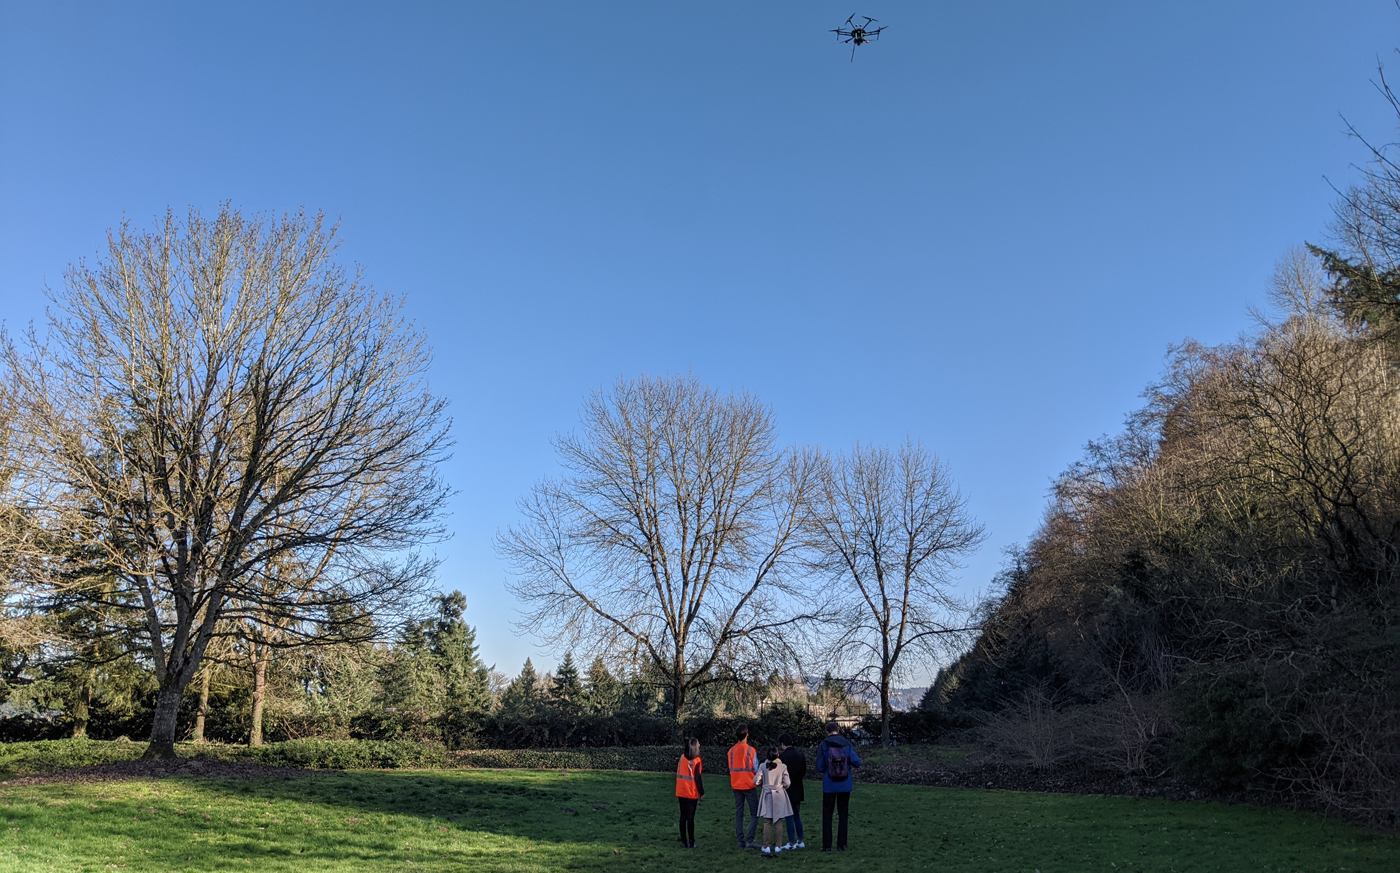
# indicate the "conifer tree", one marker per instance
pixel 567 686
pixel 522 696
pixel 602 693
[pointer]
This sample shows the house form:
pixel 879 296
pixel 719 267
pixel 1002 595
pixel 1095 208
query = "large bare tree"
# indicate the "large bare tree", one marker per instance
pixel 219 397
pixel 886 529
pixel 669 541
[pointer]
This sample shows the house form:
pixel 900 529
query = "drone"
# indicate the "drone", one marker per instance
pixel 857 34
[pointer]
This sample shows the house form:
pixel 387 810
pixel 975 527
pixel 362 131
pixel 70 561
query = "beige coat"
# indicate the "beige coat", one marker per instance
pixel 773 782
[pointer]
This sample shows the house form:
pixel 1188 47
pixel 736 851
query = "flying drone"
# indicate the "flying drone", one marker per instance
pixel 857 34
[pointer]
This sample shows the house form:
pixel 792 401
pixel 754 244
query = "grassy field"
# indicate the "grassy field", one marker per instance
pixel 539 820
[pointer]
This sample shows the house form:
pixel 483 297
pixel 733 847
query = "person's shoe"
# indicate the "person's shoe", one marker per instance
pixel 787 847
pixel 767 851
pixel 840 848
pixel 826 848
pixel 753 845
pixel 799 845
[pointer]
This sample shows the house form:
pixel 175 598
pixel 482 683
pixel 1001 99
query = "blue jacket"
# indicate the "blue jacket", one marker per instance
pixel 829 786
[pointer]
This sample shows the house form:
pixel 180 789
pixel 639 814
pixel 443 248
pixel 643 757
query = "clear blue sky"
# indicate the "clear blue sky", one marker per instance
pixel 983 233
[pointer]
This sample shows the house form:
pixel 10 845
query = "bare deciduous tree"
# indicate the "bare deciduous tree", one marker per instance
pixel 217 397
pixel 886 528
pixel 669 541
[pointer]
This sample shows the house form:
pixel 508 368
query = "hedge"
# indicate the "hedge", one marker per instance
pixel 26 758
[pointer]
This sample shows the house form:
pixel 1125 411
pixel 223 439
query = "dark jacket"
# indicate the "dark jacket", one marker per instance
pixel 828 785
pixel 797 768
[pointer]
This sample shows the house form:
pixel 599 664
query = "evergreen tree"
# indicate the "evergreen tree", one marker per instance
pixel 567 686
pixel 465 680
pixel 521 698
pixel 602 692
pixel 434 682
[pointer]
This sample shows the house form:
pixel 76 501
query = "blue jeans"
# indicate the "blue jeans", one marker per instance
pixel 794 823
pixel 740 798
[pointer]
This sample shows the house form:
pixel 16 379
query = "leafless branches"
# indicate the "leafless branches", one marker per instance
pixel 217 398
pixel 886 529
pixel 669 541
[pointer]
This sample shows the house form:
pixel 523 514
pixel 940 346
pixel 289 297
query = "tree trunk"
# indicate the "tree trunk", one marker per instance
pixel 678 690
pixel 203 710
pixel 82 706
pixel 885 711
pixel 255 736
pixel 167 715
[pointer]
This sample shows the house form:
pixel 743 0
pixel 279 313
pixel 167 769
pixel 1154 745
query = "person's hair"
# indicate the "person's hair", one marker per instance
pixel 741 731
pixel 787 740
pixel 832 727
pixel 692 748
pixel 772 754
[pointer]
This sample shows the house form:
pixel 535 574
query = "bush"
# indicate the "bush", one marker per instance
pixel 916 726
pixel 764 730
pixel 1229 736
pixel 21 759
pixel 653 759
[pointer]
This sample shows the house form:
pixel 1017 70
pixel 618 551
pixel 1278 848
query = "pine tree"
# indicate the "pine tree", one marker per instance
pixel 567 686
pixel 521 698
pixel 466 686
pixel 603 692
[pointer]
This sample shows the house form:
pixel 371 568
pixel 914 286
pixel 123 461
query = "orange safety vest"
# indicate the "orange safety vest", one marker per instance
pixel 743 766
pixel 686 771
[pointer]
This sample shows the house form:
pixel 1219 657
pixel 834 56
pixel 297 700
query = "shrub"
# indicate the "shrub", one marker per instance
pixel 654 759
pixel 41 756
pixel 916 726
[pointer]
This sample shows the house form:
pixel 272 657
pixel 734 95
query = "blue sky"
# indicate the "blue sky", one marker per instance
pixel 982 234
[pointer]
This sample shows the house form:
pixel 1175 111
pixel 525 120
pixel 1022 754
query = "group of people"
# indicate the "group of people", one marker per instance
pixel 772 789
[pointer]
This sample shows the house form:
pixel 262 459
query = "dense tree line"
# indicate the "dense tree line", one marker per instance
pixel 1216 590
pixel 429 684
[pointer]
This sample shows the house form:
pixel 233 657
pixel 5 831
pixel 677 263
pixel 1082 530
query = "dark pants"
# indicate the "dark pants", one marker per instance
pixel 688 819
pixel 740 798
pixel 842 804
pixel 794 822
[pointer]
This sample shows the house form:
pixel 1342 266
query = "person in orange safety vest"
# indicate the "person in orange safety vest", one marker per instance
pixel 690 789
pixel 743 778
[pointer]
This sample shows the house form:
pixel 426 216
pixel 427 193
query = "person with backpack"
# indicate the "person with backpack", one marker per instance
pixel 797 769
pixel 836 757
pixel 690 789
pixel 743 778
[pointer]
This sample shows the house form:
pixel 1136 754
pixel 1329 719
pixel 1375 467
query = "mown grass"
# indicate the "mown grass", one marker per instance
pixel 538 821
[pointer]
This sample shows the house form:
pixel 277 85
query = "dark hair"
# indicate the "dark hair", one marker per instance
pixel 772 754
pixel 832 727
pixel 741 732
pixel 787 740
pixel 692 743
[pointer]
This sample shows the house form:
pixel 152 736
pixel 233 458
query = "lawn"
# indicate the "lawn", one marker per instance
pixel 546 820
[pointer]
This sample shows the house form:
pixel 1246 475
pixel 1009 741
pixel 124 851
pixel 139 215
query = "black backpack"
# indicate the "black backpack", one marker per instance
pixel 838 762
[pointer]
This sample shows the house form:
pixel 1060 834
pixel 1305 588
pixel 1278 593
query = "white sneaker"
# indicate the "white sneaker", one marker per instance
pixel 800 845
pixel 767 851
pixel 787 847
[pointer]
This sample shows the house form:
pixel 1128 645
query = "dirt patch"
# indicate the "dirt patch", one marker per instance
pixel 181 767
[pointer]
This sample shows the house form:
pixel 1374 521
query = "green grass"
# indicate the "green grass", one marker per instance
pixel 538 820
